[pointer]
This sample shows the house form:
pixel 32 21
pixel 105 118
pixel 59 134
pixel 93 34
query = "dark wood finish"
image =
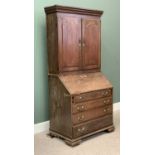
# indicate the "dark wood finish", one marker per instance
pixel 71 44
pixel 91 48
pixel 60 107
pixel 72 10
pixel 92 126
pixel 93 95
pixel 91 114
pixel 52 43
pixel 88 105
pixel 65 115
pixel 80 96
pixel 70 39
pixel 77 140
pixel 82 83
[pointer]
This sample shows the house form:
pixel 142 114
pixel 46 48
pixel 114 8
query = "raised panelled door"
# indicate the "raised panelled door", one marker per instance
pixel 80 43
pixel 71 47
pixel 91 43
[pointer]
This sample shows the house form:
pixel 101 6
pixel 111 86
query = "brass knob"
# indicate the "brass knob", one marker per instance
pixel 78 108
pixel 80 97
pixel 82 107
pixel 83 128
pixel 104 110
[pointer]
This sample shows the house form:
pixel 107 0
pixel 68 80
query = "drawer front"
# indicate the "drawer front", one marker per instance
pixel 83 106
pixel 93 95
pixel 92 126
pixel 91 114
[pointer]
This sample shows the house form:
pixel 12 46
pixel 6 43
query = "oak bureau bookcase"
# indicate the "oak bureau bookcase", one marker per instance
pixel 80 96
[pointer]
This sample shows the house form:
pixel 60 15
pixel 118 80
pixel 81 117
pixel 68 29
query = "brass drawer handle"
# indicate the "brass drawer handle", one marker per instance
pixel 80 97
pixel 105 92
pixel 106 101
pixel 82 129
pixel 80 118
pixel 80 108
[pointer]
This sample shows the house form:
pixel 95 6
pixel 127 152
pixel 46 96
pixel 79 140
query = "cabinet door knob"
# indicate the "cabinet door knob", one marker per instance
pixel 83 128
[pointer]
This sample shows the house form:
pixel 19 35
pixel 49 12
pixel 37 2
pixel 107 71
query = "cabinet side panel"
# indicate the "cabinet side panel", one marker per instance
pixel 65 103
pixel 60 108
pixel 54 117
pixel 52 43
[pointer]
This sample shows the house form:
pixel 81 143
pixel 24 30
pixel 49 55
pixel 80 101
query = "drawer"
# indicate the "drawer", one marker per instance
pixel 88 105
pixel 91 114
pixel 91 126
pixel 93 95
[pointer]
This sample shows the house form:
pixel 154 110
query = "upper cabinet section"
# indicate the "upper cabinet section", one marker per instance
pixel 73 39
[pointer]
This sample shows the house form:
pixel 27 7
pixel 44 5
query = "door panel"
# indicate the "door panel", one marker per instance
pixel 91 43
pixel 71 46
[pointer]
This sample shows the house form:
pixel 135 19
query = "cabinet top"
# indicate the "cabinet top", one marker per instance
pixel 73 10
